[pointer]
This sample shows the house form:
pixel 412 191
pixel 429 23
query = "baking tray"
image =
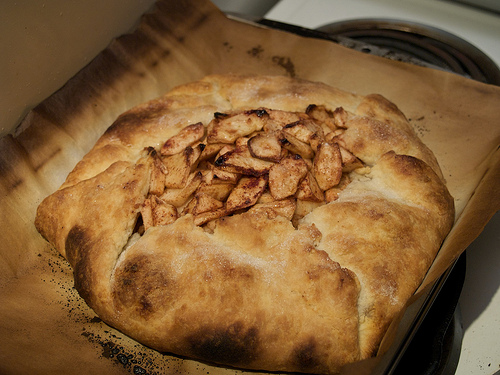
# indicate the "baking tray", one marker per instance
pixel 142 66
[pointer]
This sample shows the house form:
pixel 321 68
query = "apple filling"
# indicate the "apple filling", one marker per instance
pixel 282 163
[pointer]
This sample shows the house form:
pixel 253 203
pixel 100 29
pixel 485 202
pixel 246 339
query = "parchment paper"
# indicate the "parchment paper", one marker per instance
pixel 44 325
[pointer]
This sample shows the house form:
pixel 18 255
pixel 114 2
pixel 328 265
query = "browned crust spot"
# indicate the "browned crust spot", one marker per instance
pixel 78 252
pixel 144 286
pixel 234 344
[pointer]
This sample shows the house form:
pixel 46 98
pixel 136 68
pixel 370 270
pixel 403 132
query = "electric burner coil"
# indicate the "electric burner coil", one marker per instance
pixel 415 43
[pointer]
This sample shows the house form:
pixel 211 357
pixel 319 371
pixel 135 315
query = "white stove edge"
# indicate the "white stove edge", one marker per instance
pixel 480 298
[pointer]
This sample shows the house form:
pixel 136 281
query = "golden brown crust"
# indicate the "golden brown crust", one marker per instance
pixel 383 235
pixel 222 294
pixel 98 216
pixel 270 287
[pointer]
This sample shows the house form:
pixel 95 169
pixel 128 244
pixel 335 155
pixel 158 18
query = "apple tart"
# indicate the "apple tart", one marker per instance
pixel 257 222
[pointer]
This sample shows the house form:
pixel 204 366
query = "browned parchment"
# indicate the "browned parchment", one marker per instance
pixel 44 326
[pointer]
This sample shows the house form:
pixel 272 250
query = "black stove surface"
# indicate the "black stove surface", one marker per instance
pixel 435 348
